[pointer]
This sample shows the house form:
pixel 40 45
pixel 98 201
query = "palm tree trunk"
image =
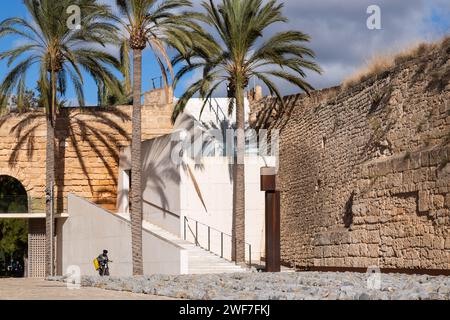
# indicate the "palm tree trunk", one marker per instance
pixel 239 180
pixel 136 167
pixel 49 179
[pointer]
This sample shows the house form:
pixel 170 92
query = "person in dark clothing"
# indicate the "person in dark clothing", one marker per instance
pixel 103 261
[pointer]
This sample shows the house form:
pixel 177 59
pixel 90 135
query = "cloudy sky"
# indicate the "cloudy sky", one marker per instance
pixel 340 37
pixel 343 42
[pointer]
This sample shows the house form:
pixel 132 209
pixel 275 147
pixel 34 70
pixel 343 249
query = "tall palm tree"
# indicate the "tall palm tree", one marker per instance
pixel 234 54
pixel 60 54
pixel 157 24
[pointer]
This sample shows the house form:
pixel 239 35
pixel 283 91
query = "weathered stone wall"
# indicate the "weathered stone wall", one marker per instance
pixel 365 172
pixel 88 143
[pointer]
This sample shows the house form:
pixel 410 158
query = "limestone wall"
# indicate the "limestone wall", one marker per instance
pixel 88 143
pixel 364 172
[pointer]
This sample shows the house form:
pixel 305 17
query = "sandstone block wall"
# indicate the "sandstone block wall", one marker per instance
pixel 365 172
pixel 88 143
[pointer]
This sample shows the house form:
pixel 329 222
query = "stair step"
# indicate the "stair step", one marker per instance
pixel 200 261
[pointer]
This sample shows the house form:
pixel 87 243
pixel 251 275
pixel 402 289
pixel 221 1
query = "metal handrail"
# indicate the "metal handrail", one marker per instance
pixel 222 234
pixel 165 211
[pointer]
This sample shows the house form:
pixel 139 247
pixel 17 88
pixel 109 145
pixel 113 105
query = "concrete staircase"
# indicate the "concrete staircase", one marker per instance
pixel 200 261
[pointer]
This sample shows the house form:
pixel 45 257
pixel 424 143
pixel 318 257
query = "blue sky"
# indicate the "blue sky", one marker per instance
pixel 338 29
pixel 15 8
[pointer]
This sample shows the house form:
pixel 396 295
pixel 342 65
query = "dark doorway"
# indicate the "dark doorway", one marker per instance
pixel 13 232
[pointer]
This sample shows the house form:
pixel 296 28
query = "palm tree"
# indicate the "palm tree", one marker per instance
pixel 60 54
pixel 158 24
pixel 233 55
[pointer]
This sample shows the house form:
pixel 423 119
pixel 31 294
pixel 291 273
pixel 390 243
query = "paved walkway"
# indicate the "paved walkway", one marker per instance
pixel 36 289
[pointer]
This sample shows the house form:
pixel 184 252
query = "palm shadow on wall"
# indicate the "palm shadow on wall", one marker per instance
pixel 158 171
pixel 273 115
pixel 220 126
pixel 70 126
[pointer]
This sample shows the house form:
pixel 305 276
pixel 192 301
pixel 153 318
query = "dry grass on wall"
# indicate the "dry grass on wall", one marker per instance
pixel 381 63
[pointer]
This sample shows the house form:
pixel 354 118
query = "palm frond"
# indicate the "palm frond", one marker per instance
pixel 57 48
pixel 235 53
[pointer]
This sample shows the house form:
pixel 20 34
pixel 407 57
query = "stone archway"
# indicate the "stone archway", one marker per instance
pixel 33 187
pixel 23 177
pixel 13 196
pixel 13 232
pixel 16 208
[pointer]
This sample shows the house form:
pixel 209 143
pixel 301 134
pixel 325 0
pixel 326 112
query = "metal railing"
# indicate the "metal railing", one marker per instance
pixel 21 204
pixel 206 243
pixel 155 81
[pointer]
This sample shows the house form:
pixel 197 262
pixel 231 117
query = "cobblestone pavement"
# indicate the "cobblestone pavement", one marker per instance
pixel 37 289
pixel 283 286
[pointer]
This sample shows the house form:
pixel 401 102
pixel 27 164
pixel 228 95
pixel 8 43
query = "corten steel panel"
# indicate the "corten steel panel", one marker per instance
pixel 268 179
pixel 273 232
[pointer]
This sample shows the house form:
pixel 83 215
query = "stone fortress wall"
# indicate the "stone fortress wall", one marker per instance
pixel 364 171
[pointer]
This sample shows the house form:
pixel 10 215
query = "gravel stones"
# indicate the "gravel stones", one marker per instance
pixel 280 286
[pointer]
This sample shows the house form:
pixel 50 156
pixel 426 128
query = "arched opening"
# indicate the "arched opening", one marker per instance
pixel 13 196
pixel 13 232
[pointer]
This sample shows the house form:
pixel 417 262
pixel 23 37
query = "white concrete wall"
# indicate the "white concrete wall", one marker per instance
pixel 90 229
pixel 170 193
pixel 160 183
pixel 216 187
pixel 170 198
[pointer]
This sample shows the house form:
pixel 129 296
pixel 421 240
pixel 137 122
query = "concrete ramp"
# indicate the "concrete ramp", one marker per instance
pixel 90 229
